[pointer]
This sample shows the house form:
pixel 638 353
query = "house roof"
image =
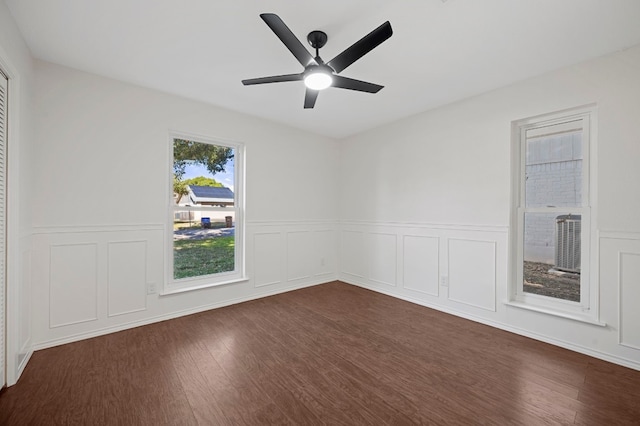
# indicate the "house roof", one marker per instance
pixel 204 194
pixel 440 52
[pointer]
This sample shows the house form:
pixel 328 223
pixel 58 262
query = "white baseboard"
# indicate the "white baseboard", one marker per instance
pixel 21 366
pixel 24 356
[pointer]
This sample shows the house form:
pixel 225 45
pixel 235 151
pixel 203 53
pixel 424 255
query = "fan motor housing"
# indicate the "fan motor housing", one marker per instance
pixel 317 39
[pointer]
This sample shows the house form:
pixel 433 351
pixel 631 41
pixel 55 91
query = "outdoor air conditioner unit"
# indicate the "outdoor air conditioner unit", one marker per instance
pixel 568 243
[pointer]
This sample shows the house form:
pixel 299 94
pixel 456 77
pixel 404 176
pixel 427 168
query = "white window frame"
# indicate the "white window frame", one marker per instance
pixel 587 309
pixel 172 285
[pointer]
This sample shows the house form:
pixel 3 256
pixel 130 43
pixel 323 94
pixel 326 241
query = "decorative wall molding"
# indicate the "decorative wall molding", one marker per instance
pixel 431 259
pixel 472 272
pixel 126 277
pixel 129 271
pixel 299 254
pixel 620 272
pixel 421 264
pixel 70 229
pixel 628 297
pixel 330 224
pixel 351 249
pixel 93 275
pixel 296 251
pixel 426 225
pixel 619 235
pixel 268 255
pixel 383 258
pixel 415 258
pixel 73 283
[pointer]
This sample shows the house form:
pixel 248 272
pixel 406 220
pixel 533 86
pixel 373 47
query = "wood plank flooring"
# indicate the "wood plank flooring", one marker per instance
pixel 330 354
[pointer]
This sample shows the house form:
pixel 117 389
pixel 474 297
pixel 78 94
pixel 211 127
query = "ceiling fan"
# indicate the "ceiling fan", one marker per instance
pixel 319 75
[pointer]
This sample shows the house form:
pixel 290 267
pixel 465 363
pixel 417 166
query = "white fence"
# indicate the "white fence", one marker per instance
pixel 195 216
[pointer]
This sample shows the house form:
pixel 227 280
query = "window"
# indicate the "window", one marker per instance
pixel 552 267
pixel 206 213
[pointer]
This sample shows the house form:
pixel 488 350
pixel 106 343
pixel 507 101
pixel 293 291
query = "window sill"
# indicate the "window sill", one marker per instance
pixel 176 290
pixel 548 311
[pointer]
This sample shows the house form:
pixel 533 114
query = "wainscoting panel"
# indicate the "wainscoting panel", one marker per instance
pixel 383 254
pixel 421 264
pixel 299 255
pixel 629 276
pixel 268 248
pixel 455 266
pixel 472 272
pixel 94 280
pixel 127 277
pixel 326 249
pixel 89 278
pixel 351 253
pixel 73 284
pixel 291 253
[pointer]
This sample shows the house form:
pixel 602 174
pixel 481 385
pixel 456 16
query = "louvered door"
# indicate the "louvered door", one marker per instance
pixel 3 294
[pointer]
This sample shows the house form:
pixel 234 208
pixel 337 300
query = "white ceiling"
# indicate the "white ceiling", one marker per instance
pixel 440 51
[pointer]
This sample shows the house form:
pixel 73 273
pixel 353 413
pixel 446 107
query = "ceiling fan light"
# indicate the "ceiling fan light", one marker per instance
pixel 318 80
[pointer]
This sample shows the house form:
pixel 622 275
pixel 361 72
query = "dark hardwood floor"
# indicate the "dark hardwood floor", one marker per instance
pixel 330 354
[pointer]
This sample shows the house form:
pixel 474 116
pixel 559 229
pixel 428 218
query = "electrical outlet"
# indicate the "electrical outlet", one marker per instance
pixel 444 280
pixel 151 288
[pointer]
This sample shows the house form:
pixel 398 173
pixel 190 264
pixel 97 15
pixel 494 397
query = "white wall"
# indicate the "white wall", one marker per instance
pixel 428 197
pixel 15 60
pixel 98 244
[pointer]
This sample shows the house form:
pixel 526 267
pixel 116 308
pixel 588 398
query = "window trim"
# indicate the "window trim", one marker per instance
pixel 587 309
pixel 172 285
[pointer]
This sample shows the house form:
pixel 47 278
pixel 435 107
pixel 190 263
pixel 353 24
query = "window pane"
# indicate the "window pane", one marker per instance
pixel 203 243
pixel 203 177
pixel 553 170
pixel 552 253
pixel 203 174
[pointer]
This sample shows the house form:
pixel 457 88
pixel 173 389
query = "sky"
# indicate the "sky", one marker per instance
pixel 225 178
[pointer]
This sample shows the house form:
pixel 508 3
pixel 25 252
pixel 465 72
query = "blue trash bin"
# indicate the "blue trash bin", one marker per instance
pixel 205 222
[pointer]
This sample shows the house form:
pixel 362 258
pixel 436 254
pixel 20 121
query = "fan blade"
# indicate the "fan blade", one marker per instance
pixel 285 35
pixel 273 79
pixel 352 84
pixel 310 97
pixel 361 47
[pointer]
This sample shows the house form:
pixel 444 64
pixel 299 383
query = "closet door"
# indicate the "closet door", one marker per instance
pixel 3 239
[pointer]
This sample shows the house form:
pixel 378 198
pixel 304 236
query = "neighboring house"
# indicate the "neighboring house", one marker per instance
pixel 204 196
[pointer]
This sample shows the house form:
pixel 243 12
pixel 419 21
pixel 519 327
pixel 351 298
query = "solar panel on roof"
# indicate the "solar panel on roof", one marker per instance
pixel 211 192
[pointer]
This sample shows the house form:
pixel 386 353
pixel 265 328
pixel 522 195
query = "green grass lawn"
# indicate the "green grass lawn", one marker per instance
pixel 192 258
